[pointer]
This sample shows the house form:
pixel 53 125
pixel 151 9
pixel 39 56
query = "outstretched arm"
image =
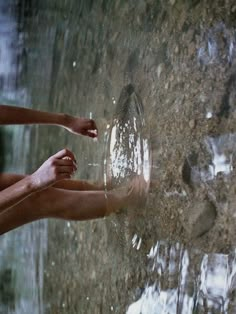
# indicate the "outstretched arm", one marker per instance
pixel 58 167
pixel 8 179
pixel 19 115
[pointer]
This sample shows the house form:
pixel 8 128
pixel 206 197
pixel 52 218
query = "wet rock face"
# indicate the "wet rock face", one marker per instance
pixel 129 105
pixel 200 218
pixel 190 161
pixel 227 106
pixel 179 57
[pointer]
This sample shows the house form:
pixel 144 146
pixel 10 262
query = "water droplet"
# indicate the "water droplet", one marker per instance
pixel 209 115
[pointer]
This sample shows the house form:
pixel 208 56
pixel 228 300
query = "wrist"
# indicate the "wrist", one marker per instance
pixel 32 183
pixel 65 119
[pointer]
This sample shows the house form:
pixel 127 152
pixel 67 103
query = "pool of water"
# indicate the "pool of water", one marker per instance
pixel 159 79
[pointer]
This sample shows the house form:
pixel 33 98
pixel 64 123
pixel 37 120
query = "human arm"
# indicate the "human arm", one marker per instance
pixel 54 169
pixel 19 115
pixel 8 179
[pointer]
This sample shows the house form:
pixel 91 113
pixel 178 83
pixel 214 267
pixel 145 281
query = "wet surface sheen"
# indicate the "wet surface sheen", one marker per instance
pixel 159 79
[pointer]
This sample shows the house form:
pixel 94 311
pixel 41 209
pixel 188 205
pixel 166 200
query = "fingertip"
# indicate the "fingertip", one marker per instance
pixel 93 136
pixel 70 154
pixel 93 133
pixel 94 126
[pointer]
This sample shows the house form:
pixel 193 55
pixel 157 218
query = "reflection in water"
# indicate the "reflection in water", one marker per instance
pixel 188 282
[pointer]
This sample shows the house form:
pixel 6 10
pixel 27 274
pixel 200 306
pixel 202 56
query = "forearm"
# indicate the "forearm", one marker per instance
pixel 78 185
pixel 19 115
pixel 7 180
pixel 16 193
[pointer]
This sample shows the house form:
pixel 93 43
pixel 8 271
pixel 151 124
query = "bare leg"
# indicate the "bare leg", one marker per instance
pixel 78 185
pixel 64 204
pixel 67 204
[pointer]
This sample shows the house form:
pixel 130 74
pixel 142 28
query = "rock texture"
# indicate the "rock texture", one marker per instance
pixel 181 58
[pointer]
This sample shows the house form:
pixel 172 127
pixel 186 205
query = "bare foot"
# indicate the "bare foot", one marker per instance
pixel 137 193
pixel 132 195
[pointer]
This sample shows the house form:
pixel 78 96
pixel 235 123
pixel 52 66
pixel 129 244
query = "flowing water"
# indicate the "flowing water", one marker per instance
pixel 159 79
pixel 22 251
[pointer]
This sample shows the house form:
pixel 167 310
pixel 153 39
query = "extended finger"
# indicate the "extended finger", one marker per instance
pixel 64 153
pixel 66 162
pixel 92 133
pixel 66 169
pixel 62 176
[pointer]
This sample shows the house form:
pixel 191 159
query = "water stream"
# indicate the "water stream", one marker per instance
pixel 22 251
pixel 159 79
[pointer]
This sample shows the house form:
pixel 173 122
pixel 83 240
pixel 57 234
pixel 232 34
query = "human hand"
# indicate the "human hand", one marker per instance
pixel 58 167
pixel 81 126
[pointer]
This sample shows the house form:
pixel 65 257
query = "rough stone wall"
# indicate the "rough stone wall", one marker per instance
pixel 180 56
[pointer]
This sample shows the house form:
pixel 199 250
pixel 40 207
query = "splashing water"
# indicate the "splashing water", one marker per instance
pixel 127 148
pixel 207 281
